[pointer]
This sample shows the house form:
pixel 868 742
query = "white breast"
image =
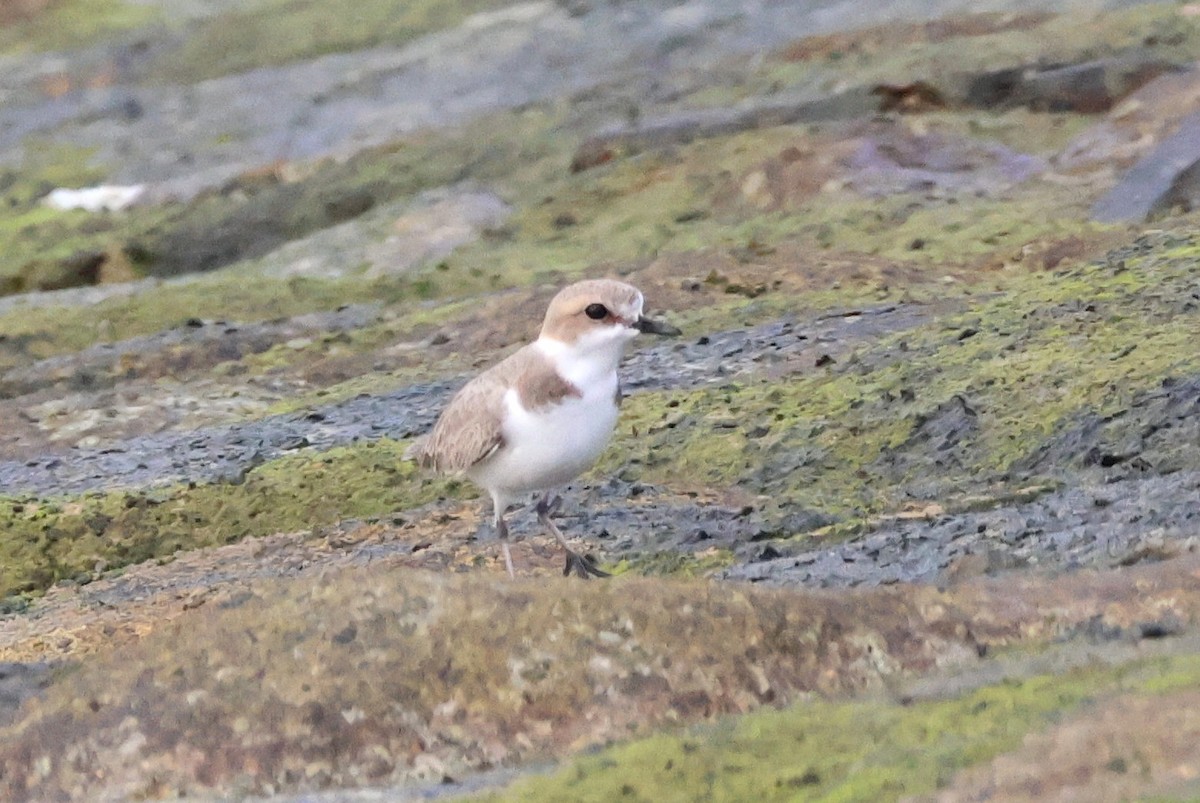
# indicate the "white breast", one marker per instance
pixel 550 447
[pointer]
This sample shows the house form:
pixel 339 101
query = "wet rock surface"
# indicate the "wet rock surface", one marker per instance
pixel 221 454
pixel 1115 524
pixel 206 343
pixel 1166 177
pixel 1129 499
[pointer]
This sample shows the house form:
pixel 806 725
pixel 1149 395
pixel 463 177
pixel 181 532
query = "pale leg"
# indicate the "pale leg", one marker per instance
pixel 502 533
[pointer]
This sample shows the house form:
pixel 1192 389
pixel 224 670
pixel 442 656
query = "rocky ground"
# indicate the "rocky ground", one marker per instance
pixel 909 512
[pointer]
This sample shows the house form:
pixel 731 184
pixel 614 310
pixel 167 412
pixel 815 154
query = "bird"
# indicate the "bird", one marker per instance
pixel 542 416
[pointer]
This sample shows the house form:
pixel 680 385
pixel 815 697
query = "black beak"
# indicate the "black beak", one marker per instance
pixel 652 327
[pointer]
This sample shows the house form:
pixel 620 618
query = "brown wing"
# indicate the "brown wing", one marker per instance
pixel 469 429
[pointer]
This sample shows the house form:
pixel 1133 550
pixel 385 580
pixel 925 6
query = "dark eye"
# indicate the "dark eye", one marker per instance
pixel 596 312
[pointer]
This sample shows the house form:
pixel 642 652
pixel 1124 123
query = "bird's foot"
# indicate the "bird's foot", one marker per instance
pixel 547 506
pixel 582 566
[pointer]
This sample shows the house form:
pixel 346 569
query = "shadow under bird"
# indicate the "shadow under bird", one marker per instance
pixel 542 416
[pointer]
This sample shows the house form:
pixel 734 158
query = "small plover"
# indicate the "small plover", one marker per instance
pixel 542 416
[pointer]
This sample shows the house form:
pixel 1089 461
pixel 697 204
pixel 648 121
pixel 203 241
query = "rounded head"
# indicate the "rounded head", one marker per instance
pixel 594 310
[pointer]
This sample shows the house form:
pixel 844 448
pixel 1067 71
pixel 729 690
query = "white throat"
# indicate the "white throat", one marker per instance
pixel 592 358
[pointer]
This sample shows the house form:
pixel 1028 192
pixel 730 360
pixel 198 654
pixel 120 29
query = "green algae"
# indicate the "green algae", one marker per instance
pixel 841 441
pixel 632 209
pixel 845 441
pixel 868 750
pixel 644 207
pixel 849 440
pixel 45 541
pixel 822 437
pixel 626 212
pixel 74 23
pixel 45 165
pixel 899 54
pixel 37 240
pixel 525 155
pixel 255 213
pixel 277 32
pixel 34 237
pixel 225 296
pixel 958 231
pixel 674 564
pixel 832 432
pixel 565 220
